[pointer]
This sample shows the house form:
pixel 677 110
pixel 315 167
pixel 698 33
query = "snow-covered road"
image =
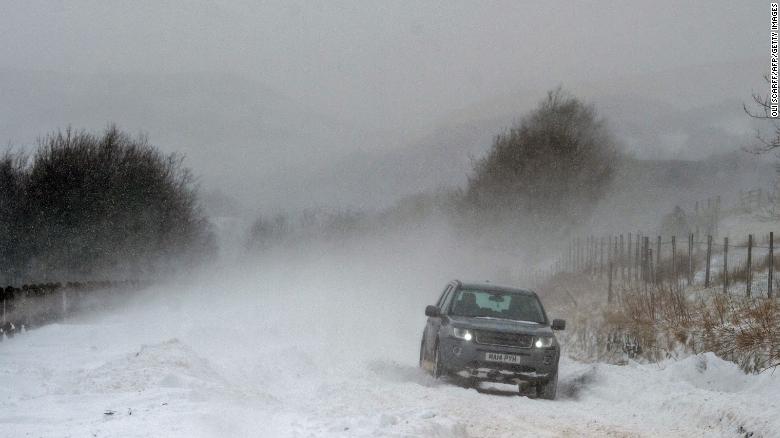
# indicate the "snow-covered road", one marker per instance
pixel 296 351
pixel 61 380
pixel 191 381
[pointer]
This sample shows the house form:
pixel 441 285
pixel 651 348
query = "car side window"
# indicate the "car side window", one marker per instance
pixel 447 300
pixel 443 296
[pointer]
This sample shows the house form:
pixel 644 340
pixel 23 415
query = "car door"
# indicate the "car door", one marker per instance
pixel 434 322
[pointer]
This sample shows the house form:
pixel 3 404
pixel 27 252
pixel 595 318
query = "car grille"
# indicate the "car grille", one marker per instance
pixel 503 339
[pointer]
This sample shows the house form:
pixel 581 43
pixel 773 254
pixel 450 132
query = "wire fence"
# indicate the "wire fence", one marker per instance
pixel 637 260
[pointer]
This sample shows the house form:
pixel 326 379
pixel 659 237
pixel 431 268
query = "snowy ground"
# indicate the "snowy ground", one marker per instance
pixel 60 380
pixel 301 352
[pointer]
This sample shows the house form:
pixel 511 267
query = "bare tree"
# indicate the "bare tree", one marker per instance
pixel 763 111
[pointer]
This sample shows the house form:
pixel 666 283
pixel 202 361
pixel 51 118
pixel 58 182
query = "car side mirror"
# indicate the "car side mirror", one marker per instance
pixel 559 324
pixel 432 311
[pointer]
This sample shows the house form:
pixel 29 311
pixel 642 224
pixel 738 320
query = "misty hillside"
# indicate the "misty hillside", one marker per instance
pixel 646 190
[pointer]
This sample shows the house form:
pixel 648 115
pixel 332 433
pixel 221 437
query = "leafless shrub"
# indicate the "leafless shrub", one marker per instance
pixel 547 171
pixel 93 204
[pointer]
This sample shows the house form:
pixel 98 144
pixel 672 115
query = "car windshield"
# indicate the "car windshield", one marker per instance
pixel 497 304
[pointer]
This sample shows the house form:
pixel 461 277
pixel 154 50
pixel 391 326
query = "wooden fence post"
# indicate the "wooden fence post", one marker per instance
pixel 648 264
pixel 690 259
pixel 629 254
pixel 614 258
pixel 725 265
pixel 651 267
pixel 642 260
pixel 749 274
pixel 707 266
pixel 637 258
pixel 657 259
pixel 771 263
pixel 674 262
pixel 648 254
pixel 620 260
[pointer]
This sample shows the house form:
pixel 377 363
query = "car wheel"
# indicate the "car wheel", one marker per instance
pixel 438 366
pixel 549 389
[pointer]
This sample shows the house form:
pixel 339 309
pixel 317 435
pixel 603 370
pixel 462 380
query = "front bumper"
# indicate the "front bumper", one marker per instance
pixel 467 359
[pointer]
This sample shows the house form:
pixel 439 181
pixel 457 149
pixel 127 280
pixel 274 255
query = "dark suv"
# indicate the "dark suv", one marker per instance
pixel 484 332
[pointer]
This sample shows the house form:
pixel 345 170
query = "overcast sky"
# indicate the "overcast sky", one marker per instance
pixel 402 68
pixel 401 63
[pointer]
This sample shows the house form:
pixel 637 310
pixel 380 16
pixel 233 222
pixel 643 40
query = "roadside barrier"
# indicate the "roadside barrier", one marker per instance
pixel 34 305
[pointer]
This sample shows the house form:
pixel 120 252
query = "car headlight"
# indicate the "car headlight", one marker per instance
pixel 462 333
pixel 544 342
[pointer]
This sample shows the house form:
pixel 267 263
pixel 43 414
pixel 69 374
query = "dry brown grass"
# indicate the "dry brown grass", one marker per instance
pixel 659 322
pixel 743 330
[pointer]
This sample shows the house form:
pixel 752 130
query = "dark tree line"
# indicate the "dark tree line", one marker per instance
pixel 92 205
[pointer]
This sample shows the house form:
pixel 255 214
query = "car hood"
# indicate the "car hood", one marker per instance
pixel 501 325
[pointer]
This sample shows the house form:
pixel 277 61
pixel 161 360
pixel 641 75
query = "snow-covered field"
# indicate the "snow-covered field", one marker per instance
pixel 328 347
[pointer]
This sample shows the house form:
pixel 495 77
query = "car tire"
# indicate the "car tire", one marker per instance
pixel 549 389
pixel 438 366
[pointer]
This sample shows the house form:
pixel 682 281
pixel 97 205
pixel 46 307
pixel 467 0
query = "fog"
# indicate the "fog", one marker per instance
pixel 288 105
pixel 348 160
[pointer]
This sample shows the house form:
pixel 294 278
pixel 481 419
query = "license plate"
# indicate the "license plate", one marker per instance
pixel 503 357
